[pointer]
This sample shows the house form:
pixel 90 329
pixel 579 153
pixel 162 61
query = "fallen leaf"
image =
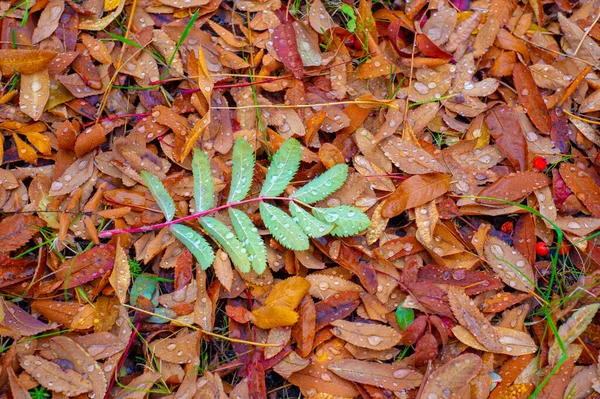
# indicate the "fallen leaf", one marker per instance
pixel 371 336
pixel 55 378
pixel 414 191
pixel 387 376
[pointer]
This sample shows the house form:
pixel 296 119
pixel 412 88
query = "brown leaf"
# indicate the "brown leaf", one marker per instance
pixel 179 349
pixel 48 21
pixel 514 187
pixel 120 277
pixel 387 376
pixel 304 331
pixel 473 320
pixel 25 61
pixel 508 134
pixel 512 342
pixel 473 281
pixel 100 345
pixel 53 377
pixel 414 191
pixel 62 312
pixel 16 389
pixel 589 50
pixel 512 267
pixel 20 323
pixel 65 348
pixel 531 98
pixel 336 307
pixel 34 93
pixel 452 376
pixel 409 157
pixel 583 186
pixel 371 336
pixel 74 176
pixel 16 230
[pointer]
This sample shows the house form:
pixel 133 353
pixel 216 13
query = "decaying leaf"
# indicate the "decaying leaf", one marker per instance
pixel 55 378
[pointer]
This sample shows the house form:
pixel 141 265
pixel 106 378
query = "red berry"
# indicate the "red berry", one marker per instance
pixel 349 41
pixel 564 248
pixel 507 227
pixel 541 249
pixel 540 163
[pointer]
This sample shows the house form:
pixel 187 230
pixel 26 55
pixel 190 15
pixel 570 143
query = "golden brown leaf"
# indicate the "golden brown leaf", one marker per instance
pixel 24 150
pixel 512 267
pixel 120 276
pixel 371 336
pixel 387 376
pixel 452 376
pixel 24 61
pixel 414 191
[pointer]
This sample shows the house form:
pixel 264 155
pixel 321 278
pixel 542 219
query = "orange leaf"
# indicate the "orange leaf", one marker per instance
pixel 25 151
pixel 414 191
pixel 25 61
pixel 267 317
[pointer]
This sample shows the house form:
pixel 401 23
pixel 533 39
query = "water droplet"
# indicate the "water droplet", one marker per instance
pixel 374 340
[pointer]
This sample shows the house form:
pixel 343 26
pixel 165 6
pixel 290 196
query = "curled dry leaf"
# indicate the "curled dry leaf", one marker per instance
pixel 371 336
pixel 55 378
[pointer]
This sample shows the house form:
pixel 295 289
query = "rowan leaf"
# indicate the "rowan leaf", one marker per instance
pixel 197 245
pixel 242 170
pixel 283 228
pixel 225 237
pixel 160 194
pixel 283 167
pixel 347 220
pixel 203 183
pixel 323 186
pixel 313 227
pixel 404 317
pixel 248 235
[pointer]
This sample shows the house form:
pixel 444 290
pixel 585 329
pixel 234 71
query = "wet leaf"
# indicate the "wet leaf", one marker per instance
pixel 512 267
pixel 371 336
pixel 452 376
pixel 583 186
pixel 16 230
pixel 51 376
pixel 25 61
pixel 414 191
pixel 387 376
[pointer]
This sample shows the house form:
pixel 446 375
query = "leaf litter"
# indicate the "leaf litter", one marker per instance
pixel 328 199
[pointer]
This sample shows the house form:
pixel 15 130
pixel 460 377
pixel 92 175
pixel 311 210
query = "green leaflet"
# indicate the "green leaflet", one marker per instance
pixel 197 245
pixel 348 220
pixel 242 170
pixel 323 186
pixel 160 194
pixel 283 228
pixel 225 237
pixel 312 227
pixel 283 167
pixel 404 316
pixel 250 239
pixel 204 192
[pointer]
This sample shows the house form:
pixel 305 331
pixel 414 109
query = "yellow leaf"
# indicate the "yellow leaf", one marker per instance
pixel 41 142
pixel 267 317
pixel 34 93
pixel 288 293
pixel 120 276
pixel 110 5
pixel 25 151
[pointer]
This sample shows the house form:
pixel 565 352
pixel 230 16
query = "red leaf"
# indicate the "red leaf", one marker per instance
pixel 430 49
pixel 335 307
pixel 475 282
pixel 87 266
pixel 531 98
pixel 286 47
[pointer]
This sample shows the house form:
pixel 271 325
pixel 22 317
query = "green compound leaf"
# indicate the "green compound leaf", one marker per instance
pixel 283 228
pixel 242 170
pixel 204 192
pixel 197 245
pixel 312 227
pixel 348 220
pixel 160 194
pixel 323 186
pixel 404 316
pixel 225 237
pixel 250 239
pixel 283 168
